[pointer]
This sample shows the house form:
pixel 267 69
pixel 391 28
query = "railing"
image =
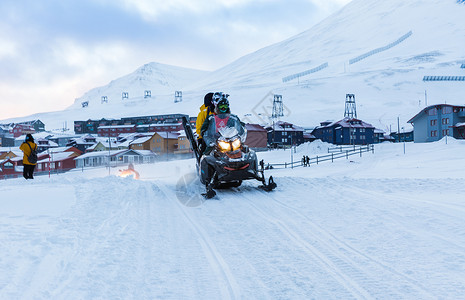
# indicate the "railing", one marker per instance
pixel 375 51
pixel 343 152
pixel 444 78
pixel 297 75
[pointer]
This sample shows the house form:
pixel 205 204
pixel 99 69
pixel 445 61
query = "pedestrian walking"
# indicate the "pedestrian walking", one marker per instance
pixel 29 149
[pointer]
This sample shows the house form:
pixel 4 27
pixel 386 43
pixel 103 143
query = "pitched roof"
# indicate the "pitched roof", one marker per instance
pixel 169 135
pixel 349 123
pixel 140 140
pixel 424 110
pixel 254 127
pixel 58 157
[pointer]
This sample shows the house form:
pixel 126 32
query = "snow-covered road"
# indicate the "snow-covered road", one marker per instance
pixel 326 232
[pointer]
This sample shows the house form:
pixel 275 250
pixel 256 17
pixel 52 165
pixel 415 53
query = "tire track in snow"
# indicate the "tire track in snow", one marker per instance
pixel 351 255
pixel 336 267
pixel 417 203
pixel 229 288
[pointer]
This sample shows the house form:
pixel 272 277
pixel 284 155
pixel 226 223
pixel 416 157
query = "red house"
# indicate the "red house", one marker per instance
pixel 57 162
pixel 115 130
pixel 9 168
pixel 21 129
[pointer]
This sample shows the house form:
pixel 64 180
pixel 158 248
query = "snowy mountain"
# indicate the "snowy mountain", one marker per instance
pixel 157 78
pixel 378 50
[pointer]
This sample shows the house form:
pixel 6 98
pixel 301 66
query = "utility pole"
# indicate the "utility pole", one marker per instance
pixel 398 129
pixel 426 99
pixel 109 151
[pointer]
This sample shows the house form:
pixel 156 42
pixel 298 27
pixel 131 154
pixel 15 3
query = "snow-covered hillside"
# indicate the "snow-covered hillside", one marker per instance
pixel 157 78
pixel 407 40
pixel 388 225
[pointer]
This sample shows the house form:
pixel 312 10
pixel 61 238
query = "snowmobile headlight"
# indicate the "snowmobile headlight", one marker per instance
pixel 224 146
pixel 236 144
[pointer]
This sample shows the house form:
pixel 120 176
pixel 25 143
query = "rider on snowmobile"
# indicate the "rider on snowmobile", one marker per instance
pixel 221 118
pixel 206 109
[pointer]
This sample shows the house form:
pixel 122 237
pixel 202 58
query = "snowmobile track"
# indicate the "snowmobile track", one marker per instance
pixel 351 254
pixel 340 260
pixel 230 289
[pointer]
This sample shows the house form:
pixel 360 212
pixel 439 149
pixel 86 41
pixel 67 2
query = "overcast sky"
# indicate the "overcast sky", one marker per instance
pixel 53 51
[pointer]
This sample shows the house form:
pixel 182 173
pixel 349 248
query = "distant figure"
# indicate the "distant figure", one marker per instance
pixel 129 172
pixel 29 149
pixel 304 161
pixel 307 159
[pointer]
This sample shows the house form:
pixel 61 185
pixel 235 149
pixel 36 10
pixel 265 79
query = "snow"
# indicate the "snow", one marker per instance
pixel 385 225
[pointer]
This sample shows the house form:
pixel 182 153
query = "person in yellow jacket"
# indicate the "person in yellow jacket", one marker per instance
pixel 206 109
pixel 28 147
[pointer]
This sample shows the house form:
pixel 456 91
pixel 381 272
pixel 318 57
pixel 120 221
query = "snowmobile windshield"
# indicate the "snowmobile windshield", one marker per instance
pixel 225 126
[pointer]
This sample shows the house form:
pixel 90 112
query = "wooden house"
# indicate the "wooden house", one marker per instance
pixel 257 137
pixel 9 168
pixel 56 162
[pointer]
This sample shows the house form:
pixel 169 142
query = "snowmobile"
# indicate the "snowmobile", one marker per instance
pixel 229 162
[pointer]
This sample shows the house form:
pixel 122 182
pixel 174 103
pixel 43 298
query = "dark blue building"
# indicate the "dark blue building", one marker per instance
pixel 348 131
pixel 284 134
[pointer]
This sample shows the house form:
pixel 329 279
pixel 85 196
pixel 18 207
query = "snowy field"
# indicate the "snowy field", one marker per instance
pixel 387 225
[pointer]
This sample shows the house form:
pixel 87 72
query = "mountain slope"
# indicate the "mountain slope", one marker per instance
pixel 400 43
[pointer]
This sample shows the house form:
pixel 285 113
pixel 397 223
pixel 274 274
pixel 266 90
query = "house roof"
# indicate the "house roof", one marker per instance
pixel 281 126
pixel 254 127
pixel 100 153
pixel 58 157
pixel 142 152
pixel 164 124
pixel 169 135
pixel 140 140
pixel 38 135
pixel 349 123
pixel 424 110
pixel 116 126
pixel 8 149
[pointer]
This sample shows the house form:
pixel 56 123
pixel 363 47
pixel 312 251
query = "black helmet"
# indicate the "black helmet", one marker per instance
pixel 218 96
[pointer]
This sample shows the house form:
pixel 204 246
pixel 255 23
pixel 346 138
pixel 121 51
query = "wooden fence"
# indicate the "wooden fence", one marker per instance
pixel 334 153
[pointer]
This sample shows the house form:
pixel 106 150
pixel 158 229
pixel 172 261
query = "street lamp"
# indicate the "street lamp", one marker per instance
pixel 403 137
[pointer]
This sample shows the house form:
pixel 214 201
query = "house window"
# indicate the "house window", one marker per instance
pixel 158 140
pixel 434 122
pixel 39 166
pixel 8 165
pixel 433 112
pixel 446 110
pixel 445 121
pixel 362 137
pixel 362 129
pixel 434 133
pixel 445 132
